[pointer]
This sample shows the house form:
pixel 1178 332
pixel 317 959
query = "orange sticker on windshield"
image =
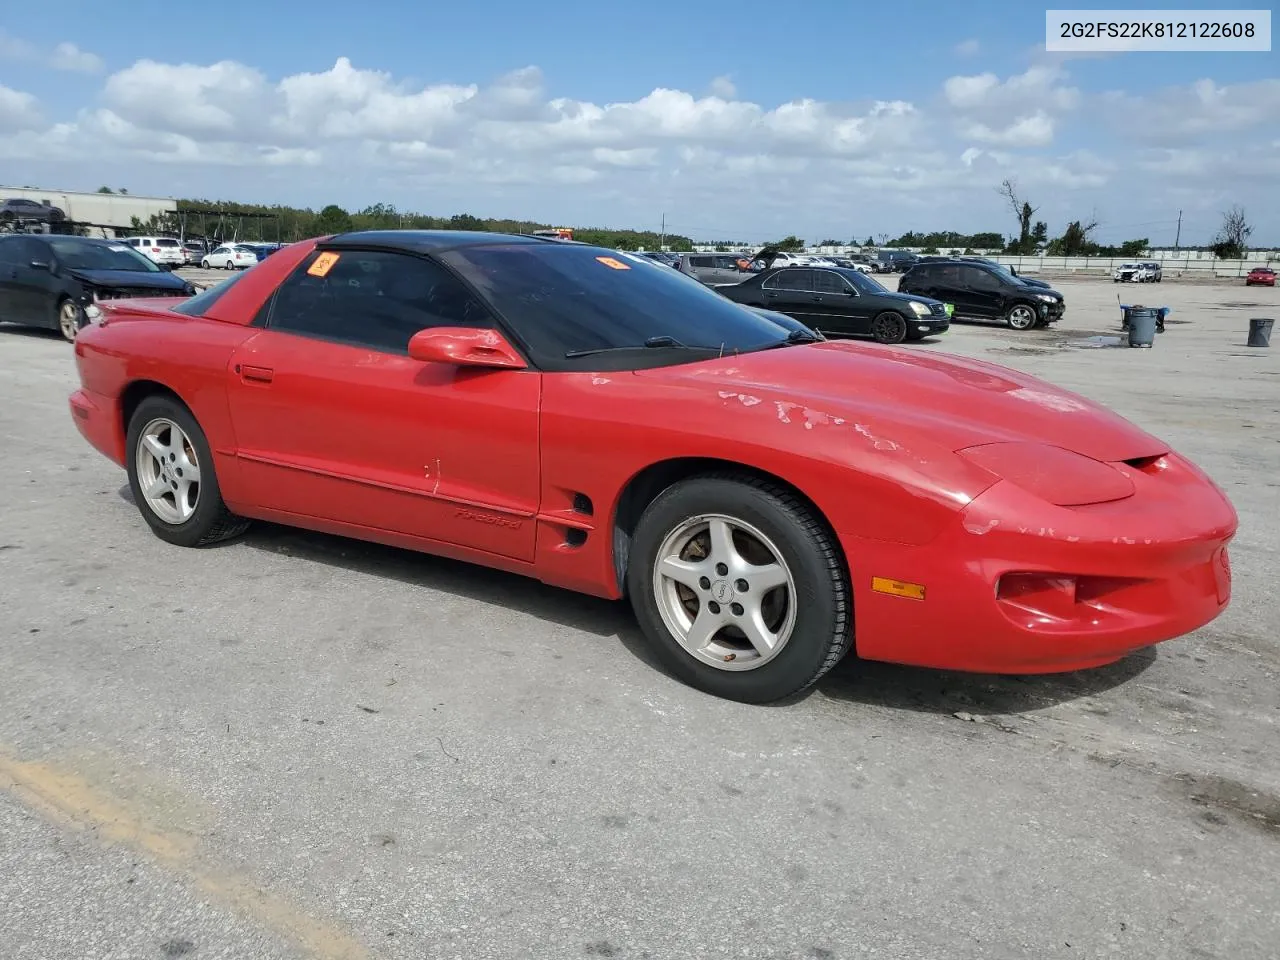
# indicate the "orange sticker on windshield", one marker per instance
pixel 615 264
pixel 322 265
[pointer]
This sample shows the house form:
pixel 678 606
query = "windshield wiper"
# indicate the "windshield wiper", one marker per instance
pixel 650 344
pixel 797 336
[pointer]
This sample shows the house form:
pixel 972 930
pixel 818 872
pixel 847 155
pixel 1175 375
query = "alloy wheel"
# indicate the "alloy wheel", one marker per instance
pixel 168 471
pixel 1021 318
pixel 69 320
pixel 725 592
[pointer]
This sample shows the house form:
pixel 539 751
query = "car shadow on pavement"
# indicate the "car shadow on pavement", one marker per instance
pixel 852 680
pixel 35 333
pixel 592 615
pixel 945 691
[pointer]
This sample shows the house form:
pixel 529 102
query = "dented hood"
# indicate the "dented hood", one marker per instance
pixel 954 401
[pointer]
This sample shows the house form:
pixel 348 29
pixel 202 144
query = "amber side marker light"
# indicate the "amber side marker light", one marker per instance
pixel 898 588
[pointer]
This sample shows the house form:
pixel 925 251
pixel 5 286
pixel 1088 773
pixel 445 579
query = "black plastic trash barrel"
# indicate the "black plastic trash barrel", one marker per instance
pixel 1260 331
pixel 1142 326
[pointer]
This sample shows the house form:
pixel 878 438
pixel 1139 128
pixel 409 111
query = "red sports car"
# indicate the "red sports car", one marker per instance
pixel 1263 276
pixel 766 499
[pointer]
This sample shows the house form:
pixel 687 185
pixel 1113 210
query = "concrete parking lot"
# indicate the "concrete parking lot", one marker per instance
pixel 294 745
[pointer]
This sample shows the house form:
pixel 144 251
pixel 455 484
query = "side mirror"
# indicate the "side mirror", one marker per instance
pixel 464 347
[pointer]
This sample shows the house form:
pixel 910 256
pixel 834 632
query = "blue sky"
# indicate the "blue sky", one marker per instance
pixel 834 119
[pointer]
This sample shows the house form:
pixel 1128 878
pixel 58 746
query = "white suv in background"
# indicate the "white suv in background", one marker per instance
pixel 164 251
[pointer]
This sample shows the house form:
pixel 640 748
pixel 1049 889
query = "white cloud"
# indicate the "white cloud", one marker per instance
pixel 18 110
pixel 723 88
pixel 15 48
pixel 67 56
pixel 967 48
pixel 1195 113
pixel 1035 130
pixel 1037 88
pixel 508 147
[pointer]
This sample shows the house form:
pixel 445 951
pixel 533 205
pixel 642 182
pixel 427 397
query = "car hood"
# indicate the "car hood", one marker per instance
pixel 897 297
pixel 951 401
pixel 1046 290
pixel 162 282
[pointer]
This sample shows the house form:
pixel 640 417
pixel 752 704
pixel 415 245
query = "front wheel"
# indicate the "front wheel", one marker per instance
pixel 172 476
pixel 740 589
pixel 889 327
pixel 1020 317
pixel 69 319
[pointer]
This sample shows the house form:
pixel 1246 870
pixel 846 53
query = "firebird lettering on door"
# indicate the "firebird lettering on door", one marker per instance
pixel 383 441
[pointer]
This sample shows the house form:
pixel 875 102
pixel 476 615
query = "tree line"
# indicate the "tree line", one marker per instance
pixel 249 222
pixel 278 223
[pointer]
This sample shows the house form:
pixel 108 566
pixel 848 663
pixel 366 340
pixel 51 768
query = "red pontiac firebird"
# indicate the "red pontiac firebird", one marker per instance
pixel 1263 276
pixel 768 500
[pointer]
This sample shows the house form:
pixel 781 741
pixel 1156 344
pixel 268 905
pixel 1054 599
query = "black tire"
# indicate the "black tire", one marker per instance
pixel 1020 316
pixel 212 521
pixel 823 630
pixel 889 327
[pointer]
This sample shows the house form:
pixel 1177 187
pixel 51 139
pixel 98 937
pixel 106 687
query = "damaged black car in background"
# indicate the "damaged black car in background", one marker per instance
pixel 49 280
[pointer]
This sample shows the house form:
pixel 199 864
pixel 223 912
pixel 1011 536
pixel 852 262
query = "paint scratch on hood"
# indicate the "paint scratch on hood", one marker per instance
pixel 818 418
pixel 745 399
pixel 784 410
pixel 1050 401
pixel 880 443
pixel 600 380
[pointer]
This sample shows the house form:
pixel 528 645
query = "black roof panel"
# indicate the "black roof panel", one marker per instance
pixel 423 241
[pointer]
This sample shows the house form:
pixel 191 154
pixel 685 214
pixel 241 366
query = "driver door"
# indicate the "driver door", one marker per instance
pixel 334 420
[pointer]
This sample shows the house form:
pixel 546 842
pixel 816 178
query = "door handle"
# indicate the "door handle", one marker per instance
pixel 256 374
pixel 816 298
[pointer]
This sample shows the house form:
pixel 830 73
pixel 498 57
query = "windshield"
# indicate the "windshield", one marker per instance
pixel 561 299
pixel 79 254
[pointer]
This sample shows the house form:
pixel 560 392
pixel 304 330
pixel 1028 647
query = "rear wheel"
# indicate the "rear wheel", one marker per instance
pixel 1020 317
pixel 739 588
pixel 172 477
pixel 889 327
pixel 205 263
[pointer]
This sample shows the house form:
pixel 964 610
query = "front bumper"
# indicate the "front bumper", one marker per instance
pixel 1020 586
pixel 928 326
pixel 98 419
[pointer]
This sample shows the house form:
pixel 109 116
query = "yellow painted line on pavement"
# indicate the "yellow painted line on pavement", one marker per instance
pixel 67 799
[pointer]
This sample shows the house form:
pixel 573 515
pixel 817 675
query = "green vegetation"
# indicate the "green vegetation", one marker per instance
pixel 949 240
pixel 250 222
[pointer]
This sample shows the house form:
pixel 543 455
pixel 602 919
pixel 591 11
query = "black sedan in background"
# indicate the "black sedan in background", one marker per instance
pixel 840 302
pixel 48 280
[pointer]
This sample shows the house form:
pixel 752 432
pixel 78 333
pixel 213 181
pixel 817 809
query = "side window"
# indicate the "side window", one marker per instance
pixel 23 250
pixel 782 280
pixel 978 279
pixel 824 281
pixel 801 280
pixel 373 299
pixel 948 276
pixel 702 261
